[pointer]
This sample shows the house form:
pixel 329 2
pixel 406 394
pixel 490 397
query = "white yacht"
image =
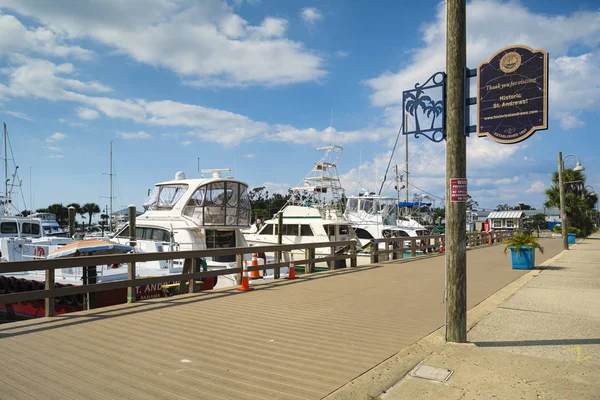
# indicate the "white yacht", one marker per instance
pixel 375 217
pixel 314 212
pixel 181 214
pixel 49 224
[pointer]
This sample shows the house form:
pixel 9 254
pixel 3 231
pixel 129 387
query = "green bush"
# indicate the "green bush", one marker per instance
pixel 557 229
pixel 575 230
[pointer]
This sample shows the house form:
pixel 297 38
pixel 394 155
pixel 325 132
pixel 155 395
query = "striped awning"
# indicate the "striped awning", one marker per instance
pixel 506 214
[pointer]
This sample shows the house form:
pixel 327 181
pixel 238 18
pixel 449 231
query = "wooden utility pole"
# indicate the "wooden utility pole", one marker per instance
pixel 456 167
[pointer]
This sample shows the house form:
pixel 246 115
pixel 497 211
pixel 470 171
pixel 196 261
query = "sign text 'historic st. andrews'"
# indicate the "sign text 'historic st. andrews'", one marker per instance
pixel 512 94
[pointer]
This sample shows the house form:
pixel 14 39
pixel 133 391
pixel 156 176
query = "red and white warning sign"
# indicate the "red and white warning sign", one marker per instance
pixel 458 190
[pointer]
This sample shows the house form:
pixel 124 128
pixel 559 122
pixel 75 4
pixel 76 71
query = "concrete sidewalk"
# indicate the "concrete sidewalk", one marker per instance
pixel 543 342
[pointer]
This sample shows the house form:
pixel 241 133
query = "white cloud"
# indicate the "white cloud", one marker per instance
pixel 17 114
pixel 536 187
pixel 54 148
pixel 272 187
pixel 503 181
pixel 87 113
pixel 134 135
pixel 57 156
pixel 56 136
pixel 311 15
pixel 341 53
pixel 15 37
pixel 574 80
pixel 186 142
pixel 196 40
pixel 570 120
pixel 249 156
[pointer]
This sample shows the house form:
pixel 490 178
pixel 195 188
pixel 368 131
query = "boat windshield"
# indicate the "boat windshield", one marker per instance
pixel 164 197
pixel 221 203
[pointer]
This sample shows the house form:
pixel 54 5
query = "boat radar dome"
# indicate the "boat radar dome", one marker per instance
pixel 179 175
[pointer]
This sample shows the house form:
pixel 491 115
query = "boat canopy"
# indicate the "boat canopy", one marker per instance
pixel 222 203
pixel 413 204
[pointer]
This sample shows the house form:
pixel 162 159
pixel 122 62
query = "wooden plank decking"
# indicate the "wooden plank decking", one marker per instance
pixel 297 339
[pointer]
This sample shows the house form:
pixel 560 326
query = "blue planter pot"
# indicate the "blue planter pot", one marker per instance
pixel 571 238
pixel 526 259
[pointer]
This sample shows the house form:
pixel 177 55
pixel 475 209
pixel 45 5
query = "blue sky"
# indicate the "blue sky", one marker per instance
pixel 250 85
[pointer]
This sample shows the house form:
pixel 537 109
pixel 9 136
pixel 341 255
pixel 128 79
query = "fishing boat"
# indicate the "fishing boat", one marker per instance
pixel 180 214
pixel 313 213
pixel 49 224
pixel 375 217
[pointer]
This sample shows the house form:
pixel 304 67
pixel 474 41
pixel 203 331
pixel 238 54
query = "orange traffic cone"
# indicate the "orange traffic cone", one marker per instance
pixel 256 273
pixel 441 248
pixel 245 286
pixel 292 271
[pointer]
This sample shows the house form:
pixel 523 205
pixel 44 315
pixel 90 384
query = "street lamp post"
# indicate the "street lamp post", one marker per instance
pixel 561 189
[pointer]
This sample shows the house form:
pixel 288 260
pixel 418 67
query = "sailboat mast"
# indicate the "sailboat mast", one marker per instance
pixel 110 209
pixel 5 173
pixel 406 155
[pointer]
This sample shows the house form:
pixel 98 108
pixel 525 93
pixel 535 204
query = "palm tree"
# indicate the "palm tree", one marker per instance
pixel 59 211
pixel 578 201
pixel 416 101
pixel 436 109
pixel 90 209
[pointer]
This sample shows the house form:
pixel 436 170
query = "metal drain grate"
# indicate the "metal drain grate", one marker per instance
pixel 431 373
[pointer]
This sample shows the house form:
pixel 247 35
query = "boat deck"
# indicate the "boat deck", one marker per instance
pixel 298 339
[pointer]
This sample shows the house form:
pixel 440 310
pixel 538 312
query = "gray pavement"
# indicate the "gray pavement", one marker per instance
pixel 542 342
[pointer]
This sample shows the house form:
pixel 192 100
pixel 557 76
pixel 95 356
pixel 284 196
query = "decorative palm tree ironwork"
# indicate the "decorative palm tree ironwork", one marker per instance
pixel 417 102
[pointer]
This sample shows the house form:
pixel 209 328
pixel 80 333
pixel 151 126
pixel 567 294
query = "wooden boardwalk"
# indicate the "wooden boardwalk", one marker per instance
pixel 297 339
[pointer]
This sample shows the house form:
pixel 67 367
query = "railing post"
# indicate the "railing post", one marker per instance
pixel 353 262
pixel 89 278
pixel 239 263
pixel 332 262
pixel 310 267
pixel 413 249
pixel 71 212
pixel 131 290
pixel 374 252
pixel 195 268
pixel 187 266
pixel 49 301
pixel 401 248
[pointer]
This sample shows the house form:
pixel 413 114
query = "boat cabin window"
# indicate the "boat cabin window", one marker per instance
pixel 422 232
pixel 266 230
pixel 305 230
pixel 164 197
pixel 144 233
pixel 8 227
pixel 290 230
pixel 352 205
pixel 223 203
pixel 343 229
pixel 363 234
pixel 402 234
pixel 366 205
pixel 29 228
pixel 216 239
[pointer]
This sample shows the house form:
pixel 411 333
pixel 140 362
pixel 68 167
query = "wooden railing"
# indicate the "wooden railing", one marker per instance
pixel 395 247
pixel 190 272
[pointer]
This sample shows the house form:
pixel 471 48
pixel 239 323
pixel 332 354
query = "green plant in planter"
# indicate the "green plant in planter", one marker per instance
pixel 519 240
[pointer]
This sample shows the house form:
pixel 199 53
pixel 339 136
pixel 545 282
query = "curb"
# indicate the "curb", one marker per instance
pixel 384 375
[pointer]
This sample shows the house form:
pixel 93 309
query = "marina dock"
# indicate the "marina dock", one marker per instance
pixel 299 339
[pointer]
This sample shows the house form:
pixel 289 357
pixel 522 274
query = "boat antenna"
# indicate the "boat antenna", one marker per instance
pixel 391 156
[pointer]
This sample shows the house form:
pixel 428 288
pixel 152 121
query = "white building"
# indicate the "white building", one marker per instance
pixel 506 220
